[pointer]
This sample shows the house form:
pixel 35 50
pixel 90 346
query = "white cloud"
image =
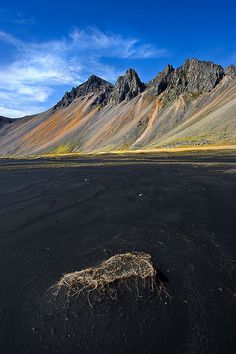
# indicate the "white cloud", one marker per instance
pixel 113 45
pixel 27 82
pixel 7 111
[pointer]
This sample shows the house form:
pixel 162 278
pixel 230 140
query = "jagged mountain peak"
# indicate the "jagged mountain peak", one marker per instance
pixel 231 71
pixel 197 67
pixel 168 69
pixel 161 81
pixel 132 76
pixel 94 78
pixel 131 73
pixel 194 63
pixel 127 87
pixel 195 77
pixel 94 85
pixel 95 81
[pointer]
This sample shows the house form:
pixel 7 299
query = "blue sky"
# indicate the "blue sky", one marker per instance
pixel 49 46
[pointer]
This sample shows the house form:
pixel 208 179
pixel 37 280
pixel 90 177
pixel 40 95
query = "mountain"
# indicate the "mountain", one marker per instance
pixel 194 104
pixel 5 121
pixel 126 88
pixel 94 85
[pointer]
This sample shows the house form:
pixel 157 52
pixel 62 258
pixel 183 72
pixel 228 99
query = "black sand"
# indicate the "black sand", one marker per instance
pixel 57 216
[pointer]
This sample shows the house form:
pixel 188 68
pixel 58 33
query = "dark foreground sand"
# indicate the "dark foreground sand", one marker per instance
pixel 62 215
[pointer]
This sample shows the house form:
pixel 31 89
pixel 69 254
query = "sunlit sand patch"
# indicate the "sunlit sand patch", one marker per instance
pixel 174 151
pixel 104 279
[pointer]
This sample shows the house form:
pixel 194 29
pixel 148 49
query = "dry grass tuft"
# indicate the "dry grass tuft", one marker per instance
pixel 115 270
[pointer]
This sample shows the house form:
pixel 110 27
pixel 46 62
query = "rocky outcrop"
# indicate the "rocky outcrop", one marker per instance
pixel 161 81
pixel 94 85
pixel 127 87
pixel 194 77
pixel 231 71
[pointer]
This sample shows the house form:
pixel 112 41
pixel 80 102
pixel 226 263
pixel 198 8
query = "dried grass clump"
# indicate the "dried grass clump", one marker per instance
pixel 118 269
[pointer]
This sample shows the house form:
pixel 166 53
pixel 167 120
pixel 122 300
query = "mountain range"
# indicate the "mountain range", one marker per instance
pixel 192 105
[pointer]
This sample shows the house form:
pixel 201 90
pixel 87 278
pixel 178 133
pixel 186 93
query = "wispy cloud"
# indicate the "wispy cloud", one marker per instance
pixel 39 68
pixel 113 45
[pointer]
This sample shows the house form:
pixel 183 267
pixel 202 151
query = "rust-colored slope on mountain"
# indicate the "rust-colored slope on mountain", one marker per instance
pixel 48 130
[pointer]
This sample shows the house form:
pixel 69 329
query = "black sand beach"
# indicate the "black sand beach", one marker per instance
pixel 61 215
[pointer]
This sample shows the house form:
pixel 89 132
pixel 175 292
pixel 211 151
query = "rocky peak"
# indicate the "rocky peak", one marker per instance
pixel 94 85
pixel 127 87
pixel 161 81
pixel 231 71
pixel 195 77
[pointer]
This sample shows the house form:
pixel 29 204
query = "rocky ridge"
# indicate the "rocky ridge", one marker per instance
pixel 161 81
pixel 94 85
pixel 127 87
pixel 194 77
pixel 231 71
